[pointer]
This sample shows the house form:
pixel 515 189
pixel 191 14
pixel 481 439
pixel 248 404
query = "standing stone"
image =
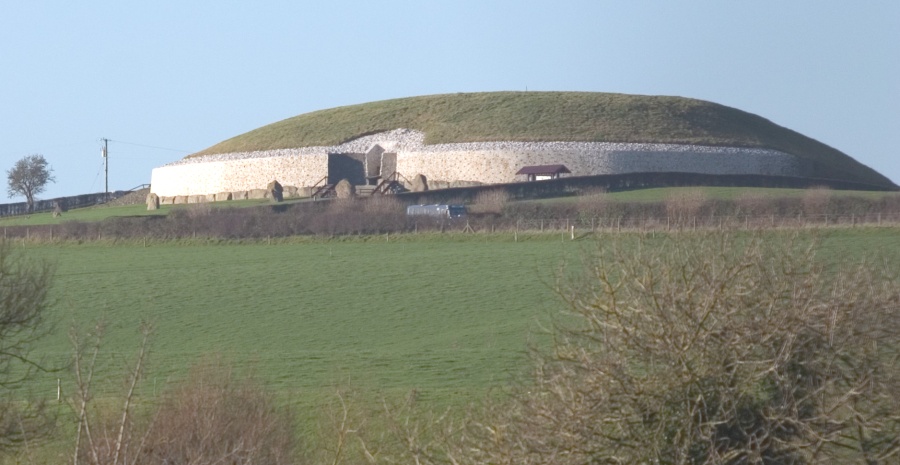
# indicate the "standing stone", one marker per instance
pixel 222 196
pixel 257 193
pixel 275 191
pixel 290 192
pixel 419 183
pixel 344 189
pixel 152 201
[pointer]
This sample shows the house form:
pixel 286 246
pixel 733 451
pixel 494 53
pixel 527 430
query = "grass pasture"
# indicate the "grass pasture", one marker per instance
pixel 449 316
pixel 445 316
pixel 100 213
pixel 661 194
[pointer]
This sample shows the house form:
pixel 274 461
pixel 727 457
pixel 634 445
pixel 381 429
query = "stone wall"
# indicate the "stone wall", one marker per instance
pixel 500 166
pixel 481 162
pixel 212 175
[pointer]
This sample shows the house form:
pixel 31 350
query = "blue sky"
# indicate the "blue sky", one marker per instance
pixel 163 79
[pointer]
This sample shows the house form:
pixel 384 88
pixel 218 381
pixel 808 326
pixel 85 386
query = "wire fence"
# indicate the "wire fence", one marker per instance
pixel 263 224
pixel 667 223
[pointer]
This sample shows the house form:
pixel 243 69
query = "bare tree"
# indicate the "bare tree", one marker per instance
pixel 24 285
pixel 28 177
pixel 712 348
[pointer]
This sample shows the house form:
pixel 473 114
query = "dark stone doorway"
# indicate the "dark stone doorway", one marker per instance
pixel 349 166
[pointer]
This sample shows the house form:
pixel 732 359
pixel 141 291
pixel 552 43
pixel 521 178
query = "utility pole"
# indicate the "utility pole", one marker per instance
pixel 105 154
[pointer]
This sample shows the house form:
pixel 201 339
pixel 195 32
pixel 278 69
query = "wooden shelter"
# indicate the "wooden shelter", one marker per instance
pixel 543 172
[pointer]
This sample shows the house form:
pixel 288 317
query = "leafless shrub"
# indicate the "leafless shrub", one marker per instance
pixel 384 214
pixel 399 432
pixel 491 202
pixel 211 418
pixel 815 201
pixel 593 202
pixel 24 289
pixel 753 204
pixel 214 418
pixel 711 348
pixel 371 215
pixel 684 205
pixel 103 438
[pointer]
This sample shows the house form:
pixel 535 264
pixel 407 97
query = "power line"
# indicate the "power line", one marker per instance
pixel 148 146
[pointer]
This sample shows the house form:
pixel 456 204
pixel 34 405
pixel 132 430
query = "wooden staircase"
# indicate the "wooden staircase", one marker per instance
pixel 390 185
pixel 323 190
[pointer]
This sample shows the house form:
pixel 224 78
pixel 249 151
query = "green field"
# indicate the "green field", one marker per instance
pixel 661 194
pixel 100 213
pixel 449 316
pixel 444 316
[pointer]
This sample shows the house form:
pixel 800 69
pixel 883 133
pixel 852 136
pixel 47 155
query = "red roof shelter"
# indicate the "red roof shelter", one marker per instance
pixel 542 172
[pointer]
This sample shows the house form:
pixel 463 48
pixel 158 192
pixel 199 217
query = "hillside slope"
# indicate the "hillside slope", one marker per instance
pixel 552 116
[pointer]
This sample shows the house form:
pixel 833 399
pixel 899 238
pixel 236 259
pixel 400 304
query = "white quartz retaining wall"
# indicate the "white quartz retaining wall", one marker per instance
pixel 209 175
pixel 484 162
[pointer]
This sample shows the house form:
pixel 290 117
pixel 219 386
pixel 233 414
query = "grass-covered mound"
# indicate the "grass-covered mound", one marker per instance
pixel 552 116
